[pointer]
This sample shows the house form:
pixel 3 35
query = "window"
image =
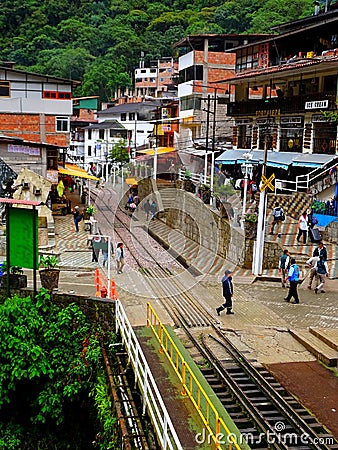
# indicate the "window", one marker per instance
pixel 131 116
pixel 190 102
pixel 89 150
pixel 101 134
pixel 123 117
pixel 89 134
pixel 4 88
pixel 191 73
pixel 62 124
pixel 57 95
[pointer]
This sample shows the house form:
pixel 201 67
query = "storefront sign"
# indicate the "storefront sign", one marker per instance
pixel 268 112
pixel 52 176
pixel 319 104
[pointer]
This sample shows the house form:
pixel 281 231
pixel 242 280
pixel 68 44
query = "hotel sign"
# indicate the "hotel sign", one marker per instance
pixel 319 104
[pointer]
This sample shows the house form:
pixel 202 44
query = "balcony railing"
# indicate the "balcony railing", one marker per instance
pixel 276 106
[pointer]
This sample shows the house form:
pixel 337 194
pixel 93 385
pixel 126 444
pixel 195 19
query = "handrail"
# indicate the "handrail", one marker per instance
pixel 152 400
pixel 303 182
pixel 190 384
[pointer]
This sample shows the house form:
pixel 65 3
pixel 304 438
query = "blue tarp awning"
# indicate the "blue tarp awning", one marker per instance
pixel 281 160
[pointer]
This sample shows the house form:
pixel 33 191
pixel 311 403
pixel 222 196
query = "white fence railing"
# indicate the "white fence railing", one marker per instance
pixel 315 181
pixel 196 178
pixel 152 400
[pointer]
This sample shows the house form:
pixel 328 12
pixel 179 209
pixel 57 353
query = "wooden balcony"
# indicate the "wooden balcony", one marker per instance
pixel 277 106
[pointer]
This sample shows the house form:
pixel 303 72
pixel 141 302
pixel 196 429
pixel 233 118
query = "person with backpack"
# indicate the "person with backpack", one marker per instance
pixel 284 264
pixel 293 277
pixel 77 218
pixel 278 218
pixel 322 272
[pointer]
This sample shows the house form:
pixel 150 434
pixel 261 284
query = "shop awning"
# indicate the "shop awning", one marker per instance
pixel 75 171
pixel 313 160
pixel 159 151
pixel 281 160
pixel 131 181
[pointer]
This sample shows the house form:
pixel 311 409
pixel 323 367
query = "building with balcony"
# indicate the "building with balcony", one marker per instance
pixel 285 88
pixel 203 61
pixel 35 115
pixel 84 114
pixel 159 80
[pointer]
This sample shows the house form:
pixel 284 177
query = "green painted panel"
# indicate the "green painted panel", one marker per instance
pixel 22 234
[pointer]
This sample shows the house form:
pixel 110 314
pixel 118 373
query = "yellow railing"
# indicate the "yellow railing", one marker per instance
pixel 215 425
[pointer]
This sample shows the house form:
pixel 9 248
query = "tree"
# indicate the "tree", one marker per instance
pixel 68 63
pixel 103 78
pixel 119 152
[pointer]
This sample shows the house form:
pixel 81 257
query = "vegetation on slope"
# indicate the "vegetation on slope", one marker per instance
pixel 100 41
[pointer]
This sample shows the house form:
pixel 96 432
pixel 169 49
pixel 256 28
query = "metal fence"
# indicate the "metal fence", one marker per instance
pixel 191 387
pixel 152 400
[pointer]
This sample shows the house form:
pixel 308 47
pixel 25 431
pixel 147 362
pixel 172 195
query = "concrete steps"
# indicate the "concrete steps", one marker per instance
pixel 316 346
pixel 327 335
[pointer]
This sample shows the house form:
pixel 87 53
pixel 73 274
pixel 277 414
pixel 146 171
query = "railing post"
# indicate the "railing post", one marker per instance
pixel 145 392
pixel 165 433
pixel 183 391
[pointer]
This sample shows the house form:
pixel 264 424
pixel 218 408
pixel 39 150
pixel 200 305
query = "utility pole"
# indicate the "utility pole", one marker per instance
pixel 213 150
pixel 257 263
pixel 206 143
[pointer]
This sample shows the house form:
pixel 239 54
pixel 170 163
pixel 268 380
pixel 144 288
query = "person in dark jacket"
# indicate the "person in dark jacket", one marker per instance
pixel 293 277
pixel 228 292
pixel 322 272
pixel 320 251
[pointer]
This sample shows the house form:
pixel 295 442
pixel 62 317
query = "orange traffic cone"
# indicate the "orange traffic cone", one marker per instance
pixel 97 283
pixel 113 292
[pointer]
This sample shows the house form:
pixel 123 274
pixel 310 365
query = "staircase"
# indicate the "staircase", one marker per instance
pixel 322 343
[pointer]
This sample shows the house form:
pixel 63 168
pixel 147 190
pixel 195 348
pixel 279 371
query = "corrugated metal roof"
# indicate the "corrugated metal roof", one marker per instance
pixel 14 201
pixel 107 124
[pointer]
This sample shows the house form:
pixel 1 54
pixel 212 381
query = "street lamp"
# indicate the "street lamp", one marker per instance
pixel 247 171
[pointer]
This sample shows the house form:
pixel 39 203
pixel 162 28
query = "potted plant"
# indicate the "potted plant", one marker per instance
pixel 90 210
pixel 49 276
pixel 17 279
pixel 250 225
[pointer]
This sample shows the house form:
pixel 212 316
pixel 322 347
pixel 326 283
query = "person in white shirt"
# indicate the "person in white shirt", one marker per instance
pixel 311 262
pixel 302 227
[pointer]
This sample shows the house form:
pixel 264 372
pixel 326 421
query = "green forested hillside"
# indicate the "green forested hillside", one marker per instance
pixel 100 41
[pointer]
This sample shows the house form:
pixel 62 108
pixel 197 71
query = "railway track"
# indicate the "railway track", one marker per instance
pixel 264 412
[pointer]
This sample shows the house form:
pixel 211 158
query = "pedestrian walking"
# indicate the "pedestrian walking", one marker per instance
pixel 278 217
pixel 252 190
pixel 172 172
pixel 153 209
pixel 284 264
pixel 311 219
pixel 105 250
pixel 320 251
pixel 302 227
pixel 96 245
pixel 322 272
pixel 119 257
pixel 77 218
pixel 147 208
pixel 311 262
pixel 293 277
pixel 228 292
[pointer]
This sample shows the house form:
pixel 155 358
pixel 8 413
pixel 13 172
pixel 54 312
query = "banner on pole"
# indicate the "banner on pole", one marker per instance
pixel 23 237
